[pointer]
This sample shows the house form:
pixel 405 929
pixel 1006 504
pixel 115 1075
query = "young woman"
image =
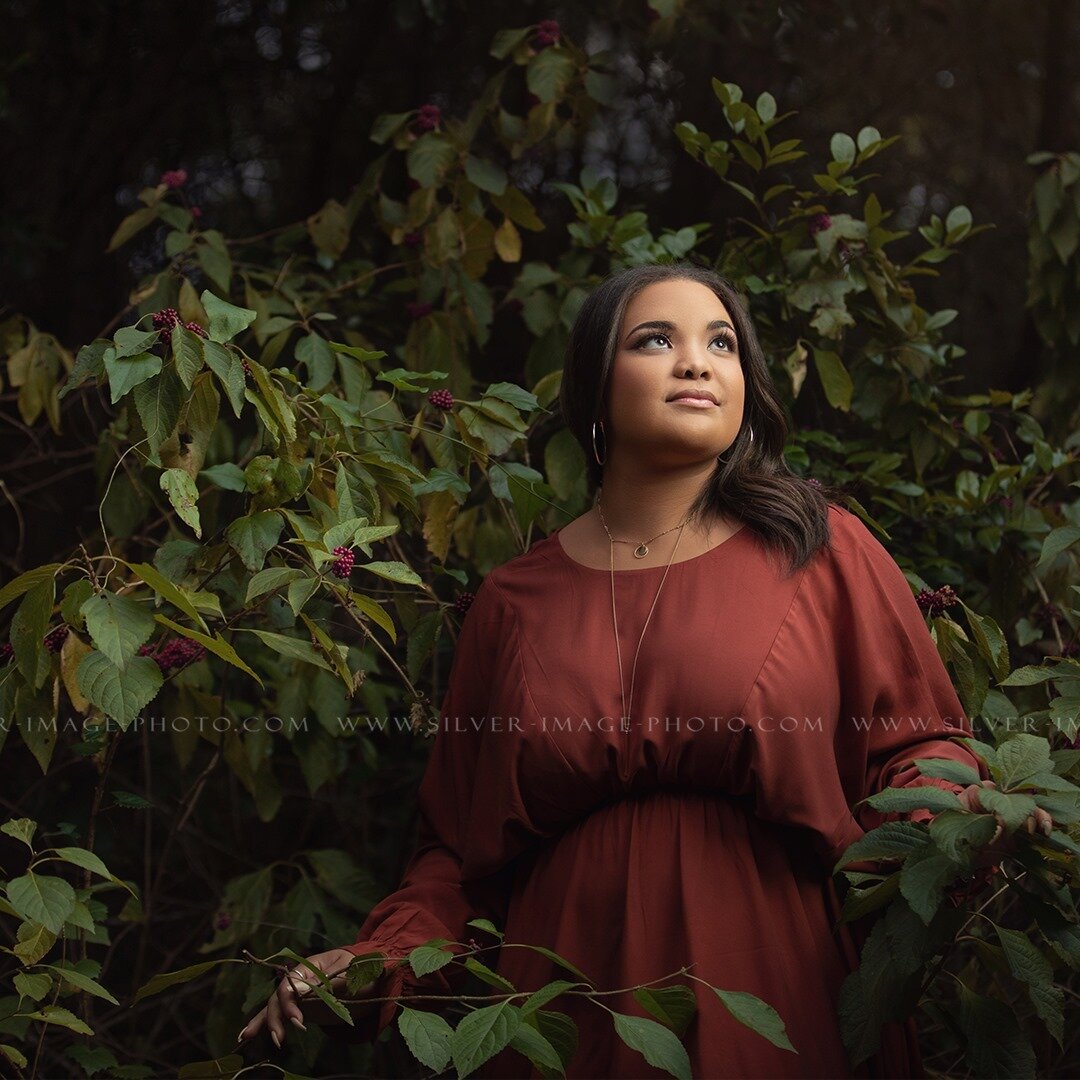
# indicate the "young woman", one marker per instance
pixel 660 715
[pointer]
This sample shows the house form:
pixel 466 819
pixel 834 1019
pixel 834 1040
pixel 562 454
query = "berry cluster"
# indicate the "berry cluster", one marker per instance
pixel 819 223
pixel 813 480
pixel 246 366
pixel 196 212
pixel 165 319
pixel 195 328
pixel 935 601
pixel 547 33
pixel 222 921
pixel 174 178
pixel 6 652
pixel 463 603
pixel 413 239
pixel 441 399
pixel 177 652
pixel 416 308
pixel 343 564
pixel 428 117
pixel 54 639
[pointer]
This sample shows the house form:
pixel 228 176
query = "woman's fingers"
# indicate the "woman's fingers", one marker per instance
pixel 253 1026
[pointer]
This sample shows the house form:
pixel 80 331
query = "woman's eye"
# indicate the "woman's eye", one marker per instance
pixel 725 338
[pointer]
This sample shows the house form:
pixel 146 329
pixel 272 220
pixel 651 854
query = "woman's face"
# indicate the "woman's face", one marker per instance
pixel 693 349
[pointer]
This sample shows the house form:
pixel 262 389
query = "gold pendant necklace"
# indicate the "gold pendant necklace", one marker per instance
pixel 641 551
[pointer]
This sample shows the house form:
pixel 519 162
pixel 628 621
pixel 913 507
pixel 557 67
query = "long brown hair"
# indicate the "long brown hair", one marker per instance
pixel 752 482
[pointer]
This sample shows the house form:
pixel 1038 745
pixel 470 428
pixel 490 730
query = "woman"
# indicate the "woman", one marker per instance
pixel 660 715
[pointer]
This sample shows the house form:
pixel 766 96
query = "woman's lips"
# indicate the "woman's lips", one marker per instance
pixel 696 402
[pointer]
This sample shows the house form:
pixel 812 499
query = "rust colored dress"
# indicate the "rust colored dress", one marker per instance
pixel 764 707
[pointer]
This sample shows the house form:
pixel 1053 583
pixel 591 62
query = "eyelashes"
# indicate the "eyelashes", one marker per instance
pixel 726 336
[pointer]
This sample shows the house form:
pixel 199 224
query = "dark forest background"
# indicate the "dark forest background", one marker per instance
pixel 269 106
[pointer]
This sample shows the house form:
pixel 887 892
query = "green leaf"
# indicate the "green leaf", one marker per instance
pixel 82 982
pixel 842 148
pixel 40 899
pixel 119 693
pixel 1030 966
pixel 226 320
pixel 428 158
pixel 1022 757
pixel 958 772
pixel 900 800
pixel 486 175
pixel 673 1006
pixel 757 1015
pixel 129 372
pixel 159 401
pixel 270 580
pixel 835 380
pixel 996 1044
pixel 1057 541
pixel 229 369
pixel 28 627
pixel 923 879
pixel 427 1035
pixel 293 647
pixel 314 352
pixel 655 1043
pixel 425 959
pixel 481 1035
pixel 25 582
pixel 175 594
pixel 394 571
pixel 892 840
pixel 184 496
pixel 216 644
pixel 530 1042
pixel 118 625
pixel 1014 809
pixel 32 986
pixel 78 856
pixel 54 1014
pixel 173 978
pixel 252 537
pixel 21 829
pixel 187 354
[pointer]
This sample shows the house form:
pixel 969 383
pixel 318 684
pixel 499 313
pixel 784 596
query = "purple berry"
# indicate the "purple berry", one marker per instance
pixel 547 33
pixel 164 320
pixel 818 223
pixel 195 328
pixel 441 399
pixel 413 239
pixel 343 564
pixel 428 117
pixel 415 309
pixel 174 178
pixel 463 603
pixel 54 639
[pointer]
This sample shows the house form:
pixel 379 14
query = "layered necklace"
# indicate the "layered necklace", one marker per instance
pixel 640 551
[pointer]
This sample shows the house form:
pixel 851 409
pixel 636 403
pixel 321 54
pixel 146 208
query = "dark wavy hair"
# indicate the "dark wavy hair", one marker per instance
pixel 752 482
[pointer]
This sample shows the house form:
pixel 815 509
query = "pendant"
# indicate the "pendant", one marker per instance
pixel 641 551
pixel 624 724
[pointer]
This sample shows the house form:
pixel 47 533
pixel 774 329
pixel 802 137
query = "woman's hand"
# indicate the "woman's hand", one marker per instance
pixel 1001 844
pixel 284 1003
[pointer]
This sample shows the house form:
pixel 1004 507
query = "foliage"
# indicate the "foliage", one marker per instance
pixel 259 431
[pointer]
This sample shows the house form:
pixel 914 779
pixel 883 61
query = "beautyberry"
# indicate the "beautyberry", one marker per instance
pixel 428 117
pixel 413 239
pixel 441 399
pixel 164 320
pixel 547 33
pixel 54 639
pixel 818 223
pixel 417 308
pixel 195 328
pixel 463 603
pixel 174 178
pixel 343 564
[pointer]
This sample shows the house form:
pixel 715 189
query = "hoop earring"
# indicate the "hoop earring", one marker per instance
pixel 720 457
pixel 599 460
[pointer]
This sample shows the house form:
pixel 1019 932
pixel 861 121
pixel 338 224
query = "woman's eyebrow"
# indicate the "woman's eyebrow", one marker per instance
pixel 669 327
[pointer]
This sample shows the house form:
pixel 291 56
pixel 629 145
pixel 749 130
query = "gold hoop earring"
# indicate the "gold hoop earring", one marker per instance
pixel 720 457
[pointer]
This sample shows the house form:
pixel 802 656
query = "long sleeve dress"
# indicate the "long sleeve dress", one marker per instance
pixel 765 706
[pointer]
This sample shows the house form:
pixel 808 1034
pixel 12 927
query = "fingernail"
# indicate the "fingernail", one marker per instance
pixel 296 1021
pixel 240 1037
pixel 277 1041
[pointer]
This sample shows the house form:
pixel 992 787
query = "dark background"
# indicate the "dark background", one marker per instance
pixel 269 105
